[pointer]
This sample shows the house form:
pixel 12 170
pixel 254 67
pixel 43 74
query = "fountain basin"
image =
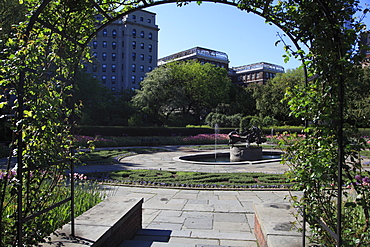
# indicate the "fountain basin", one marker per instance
pixel 223 158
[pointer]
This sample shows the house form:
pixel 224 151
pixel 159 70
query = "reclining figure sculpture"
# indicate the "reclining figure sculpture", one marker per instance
pixel 248 136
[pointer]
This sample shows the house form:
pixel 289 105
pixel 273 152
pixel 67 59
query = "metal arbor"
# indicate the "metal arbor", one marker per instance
pixel 69 25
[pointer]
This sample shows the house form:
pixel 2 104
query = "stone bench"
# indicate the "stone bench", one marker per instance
pixel 107 224
pixel 274 225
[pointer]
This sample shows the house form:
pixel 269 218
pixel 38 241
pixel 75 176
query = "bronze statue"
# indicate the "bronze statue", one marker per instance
pixel 248 136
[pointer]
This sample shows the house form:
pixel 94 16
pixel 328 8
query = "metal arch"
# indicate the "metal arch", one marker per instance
pixel 261 10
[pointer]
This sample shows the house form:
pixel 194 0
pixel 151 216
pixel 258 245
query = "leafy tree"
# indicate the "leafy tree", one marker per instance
pixel 270 98
pixel 186 89
pixel 99 106
pixel 358 99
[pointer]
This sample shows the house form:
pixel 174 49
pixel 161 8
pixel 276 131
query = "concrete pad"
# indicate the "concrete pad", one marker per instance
pixel 236 243
pixel 231 227
pixel 165 226
pixel 216 234
pixel 182 242
pixel 198 223
pixel 199 207
pixel 230 217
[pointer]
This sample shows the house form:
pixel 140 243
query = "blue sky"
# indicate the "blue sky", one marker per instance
pixel 244 37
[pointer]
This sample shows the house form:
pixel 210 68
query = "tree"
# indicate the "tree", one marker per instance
pixel 185 89
pixel 100 106
pixel 270 98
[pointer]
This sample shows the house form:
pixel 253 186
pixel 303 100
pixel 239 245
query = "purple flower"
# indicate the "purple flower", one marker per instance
pixel 358 177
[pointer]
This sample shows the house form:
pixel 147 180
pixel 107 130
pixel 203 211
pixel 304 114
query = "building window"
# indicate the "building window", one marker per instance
pixel 150 59
pixel 142 34
pixel 94 67
pixel 142 57
pixel 123 33
pixel 95 44
pixel 150 68
pixel 104 55
pixel 123 55
pixel 114 45
pixel 133 67
pixel 150 48
pixel 141 78
pixel 134 32
pixel 114 56
pixel 113 79
pixel 104 67
pixel 123 43
pixel 133 79
pixel 114 32
pixel 149 20
pixel 104 44
pixel 105 32
pixel 133 45
pixel 141 19
pixel 104 79
pixel 134 17
pixel 141 68
pixel 113 68
pixel 133 56
pixel 142 46
pixel 150 36
pixel 95 54
pixel 113 88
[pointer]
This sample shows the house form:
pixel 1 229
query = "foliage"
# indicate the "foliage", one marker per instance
pixel 98 105
pixel 270 100
pixel 186 89
pixel 197 179
pixel 223 120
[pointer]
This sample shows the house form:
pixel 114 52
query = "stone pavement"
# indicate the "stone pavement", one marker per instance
pixel 195 218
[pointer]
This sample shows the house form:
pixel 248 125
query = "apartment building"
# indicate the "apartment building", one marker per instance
pixel 125 51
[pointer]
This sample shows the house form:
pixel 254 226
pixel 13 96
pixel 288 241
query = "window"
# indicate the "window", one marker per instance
pixel 95 44
pixel 104 67
pixel 142 57
pixel 133 56
pixel 114 56
pixel 123 33
pixel 150 48
pixel 95 54
pixel 133 45
pixel 104 44
pixel 104 55
pixel 123 43
pixel 142 34
pixel 134 32
pixel 123 55
pixel 133 79
pixel 149 20
pixel 141 78
pixel 104 79
pixel 113 68
pixel 114 32
pixel 150 59
pixel 150 68
pixel 141 68
pixel 134 17
pixel 94 67
pixel 150 36
pixel 105 32
pixel 114 45
pixel 113 89
pixel 141 19
pixel 133 67
pixel 142 46
pixel 113 79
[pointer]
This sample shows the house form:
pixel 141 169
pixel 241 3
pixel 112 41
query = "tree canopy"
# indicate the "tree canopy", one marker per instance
pixel 182 89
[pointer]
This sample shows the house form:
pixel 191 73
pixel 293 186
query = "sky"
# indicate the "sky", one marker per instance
pixel 244 37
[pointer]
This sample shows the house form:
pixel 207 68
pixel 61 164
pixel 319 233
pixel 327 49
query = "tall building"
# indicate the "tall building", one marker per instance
pixel 365 40
pixel 203 55
pixel 125 51
pixel 257 73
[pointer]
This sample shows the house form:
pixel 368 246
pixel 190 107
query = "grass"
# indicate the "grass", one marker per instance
pixel 194 179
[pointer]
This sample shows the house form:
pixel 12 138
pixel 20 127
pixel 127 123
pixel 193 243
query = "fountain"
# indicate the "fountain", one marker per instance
pixel 241 151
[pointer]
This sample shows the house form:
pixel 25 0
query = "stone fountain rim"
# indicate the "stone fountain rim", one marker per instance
pixel 247 162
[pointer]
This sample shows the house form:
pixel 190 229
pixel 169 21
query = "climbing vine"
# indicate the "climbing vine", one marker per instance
pixel 41 52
